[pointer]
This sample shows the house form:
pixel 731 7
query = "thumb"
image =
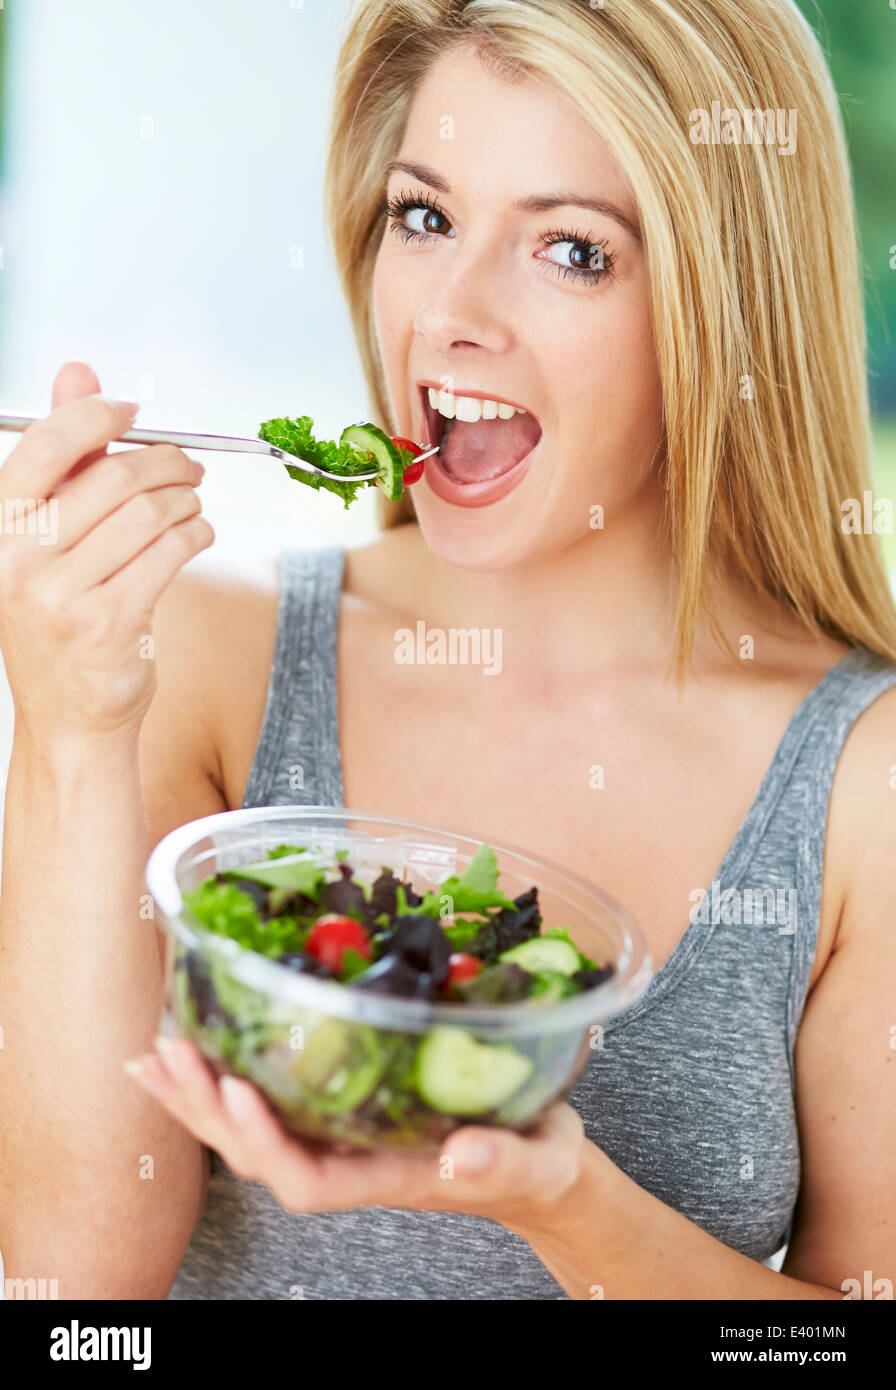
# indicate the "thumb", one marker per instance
pixel 499 1164
pixel 74 380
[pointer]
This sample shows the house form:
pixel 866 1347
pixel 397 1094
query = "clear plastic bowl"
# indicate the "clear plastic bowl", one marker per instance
pixel 340 1065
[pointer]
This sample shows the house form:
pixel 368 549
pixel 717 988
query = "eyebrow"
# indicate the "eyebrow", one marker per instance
pixel 535 202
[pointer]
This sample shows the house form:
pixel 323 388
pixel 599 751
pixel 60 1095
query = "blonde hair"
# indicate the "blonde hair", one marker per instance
pixel 756 294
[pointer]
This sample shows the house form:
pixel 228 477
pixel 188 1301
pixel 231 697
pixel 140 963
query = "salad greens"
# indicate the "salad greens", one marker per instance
pixel 352 1083
pixel 360 448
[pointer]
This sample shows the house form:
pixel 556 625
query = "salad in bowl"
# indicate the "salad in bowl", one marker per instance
pixel 380 982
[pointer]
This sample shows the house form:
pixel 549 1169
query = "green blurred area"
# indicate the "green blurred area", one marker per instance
pixel 885 479
pixel 859 41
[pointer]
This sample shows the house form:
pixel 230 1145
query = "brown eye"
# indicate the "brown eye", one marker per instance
pixel 432 221
pixel 577 256
pixel 430 217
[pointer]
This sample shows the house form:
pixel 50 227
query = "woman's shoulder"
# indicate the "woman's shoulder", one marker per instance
pixel 860 831
pixel 215 630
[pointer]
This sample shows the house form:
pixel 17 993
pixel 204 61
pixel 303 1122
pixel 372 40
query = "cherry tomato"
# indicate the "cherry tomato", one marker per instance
pixel 401 443
pixel 332 935
pixel 462 967
pixel 414 471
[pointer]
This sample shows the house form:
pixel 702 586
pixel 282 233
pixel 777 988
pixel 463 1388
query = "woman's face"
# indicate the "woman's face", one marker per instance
pixel 505 303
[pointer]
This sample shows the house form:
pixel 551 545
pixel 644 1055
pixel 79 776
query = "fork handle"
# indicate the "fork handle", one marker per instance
pixel 186 440
pixel 183 438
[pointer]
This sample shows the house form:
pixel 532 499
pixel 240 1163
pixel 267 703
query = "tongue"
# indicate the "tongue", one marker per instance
pixel 485 449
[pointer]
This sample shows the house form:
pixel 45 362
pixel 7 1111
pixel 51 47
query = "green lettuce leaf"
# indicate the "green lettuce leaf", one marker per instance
pixel 228 911
pixel 296 438
pixel 304 876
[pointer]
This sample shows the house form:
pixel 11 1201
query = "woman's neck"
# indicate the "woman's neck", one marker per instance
pixel 606 602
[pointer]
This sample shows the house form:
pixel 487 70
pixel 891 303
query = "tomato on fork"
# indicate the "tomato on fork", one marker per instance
pixel 414 471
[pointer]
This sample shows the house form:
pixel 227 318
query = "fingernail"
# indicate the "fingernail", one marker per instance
pixel 169 1051
pixel 128 408
pixel 133 1068
pixel 236 1099
pixel 198 470
pixel 477 1157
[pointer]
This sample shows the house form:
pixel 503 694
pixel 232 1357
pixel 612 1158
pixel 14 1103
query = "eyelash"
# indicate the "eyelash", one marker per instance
pixel 397 206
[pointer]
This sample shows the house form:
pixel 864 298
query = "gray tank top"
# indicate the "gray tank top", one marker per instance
pixel 692 1092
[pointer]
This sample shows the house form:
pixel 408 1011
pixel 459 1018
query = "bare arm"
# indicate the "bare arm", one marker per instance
pixel 80 990
pixel 845 1057
pixel 98 1188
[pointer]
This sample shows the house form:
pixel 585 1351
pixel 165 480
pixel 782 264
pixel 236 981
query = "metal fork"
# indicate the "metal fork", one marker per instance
pixel 226 443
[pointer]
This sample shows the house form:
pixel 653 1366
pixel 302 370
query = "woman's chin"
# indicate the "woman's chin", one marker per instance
pixel 475 534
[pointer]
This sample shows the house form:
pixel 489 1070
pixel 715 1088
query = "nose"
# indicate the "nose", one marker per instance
pixel 461 313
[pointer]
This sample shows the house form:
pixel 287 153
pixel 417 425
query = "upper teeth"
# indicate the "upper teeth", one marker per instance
pixel 471 408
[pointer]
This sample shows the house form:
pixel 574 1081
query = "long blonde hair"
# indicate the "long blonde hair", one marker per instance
pixel 756 295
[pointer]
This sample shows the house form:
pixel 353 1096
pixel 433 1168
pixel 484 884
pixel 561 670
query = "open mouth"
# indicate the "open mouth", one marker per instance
pixel 479 438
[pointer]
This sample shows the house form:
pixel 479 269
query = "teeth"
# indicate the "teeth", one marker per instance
pixel 471 408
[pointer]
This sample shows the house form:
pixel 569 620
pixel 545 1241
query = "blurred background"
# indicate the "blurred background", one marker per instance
pixel 161 171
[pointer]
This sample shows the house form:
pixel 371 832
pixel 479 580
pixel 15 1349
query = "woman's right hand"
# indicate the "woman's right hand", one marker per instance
pixel 105 536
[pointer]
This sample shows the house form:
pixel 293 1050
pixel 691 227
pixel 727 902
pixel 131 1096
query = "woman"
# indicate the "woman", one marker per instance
pixel 679 607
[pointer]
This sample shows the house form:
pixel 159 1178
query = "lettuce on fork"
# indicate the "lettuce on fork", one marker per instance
pixel 371 449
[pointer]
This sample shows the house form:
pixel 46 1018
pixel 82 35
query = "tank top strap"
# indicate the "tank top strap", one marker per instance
pixel 297 759
pixel 829 715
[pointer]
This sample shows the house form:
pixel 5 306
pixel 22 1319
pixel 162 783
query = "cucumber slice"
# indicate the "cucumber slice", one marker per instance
pixel 339 1066
pixel 544 953
pixel 385 454
pixel 551 986
pixel 460 1076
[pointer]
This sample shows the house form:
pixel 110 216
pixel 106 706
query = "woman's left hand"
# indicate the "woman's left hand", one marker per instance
pixel 517 1180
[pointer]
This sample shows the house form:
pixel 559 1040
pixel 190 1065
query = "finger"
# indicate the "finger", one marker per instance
pixel 149 1073
pixel 204 1106
pixel 193 1097
pixel 258 1146
pixel 136 587
pixel 88 500
pixel 518 1169
pixel 50 448
pixel 134 525
pixel 74 380
pixel 305 1180
pixel 480 1169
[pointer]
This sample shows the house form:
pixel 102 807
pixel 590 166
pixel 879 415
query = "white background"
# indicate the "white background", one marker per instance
pixel 161 163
